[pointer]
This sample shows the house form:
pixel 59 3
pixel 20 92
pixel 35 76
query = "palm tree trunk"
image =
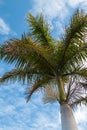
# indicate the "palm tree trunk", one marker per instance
pixel 67 118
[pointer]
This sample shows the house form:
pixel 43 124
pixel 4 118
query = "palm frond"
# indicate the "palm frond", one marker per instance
pixel 82 73
pixel 51 94
pixel 76 93
pixel 24 75
pixel 25 52
pixel 28 74
pixel 76 28
pixel 40 29
pixel 78 71
pixel 75 56
pixel 69 87
pixel 80 101
pixel 36 86
pixel 15 51
pixel 83 84
pixel 74 33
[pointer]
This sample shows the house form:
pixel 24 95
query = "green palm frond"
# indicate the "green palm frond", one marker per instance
pixel 25 75
pixel 82 72
pixel 25 52
pixel 15 51
pixel 40 29
pixel 75 56
pixel 12 76
pixel 78 70
pixel 76 29
pixel 74 36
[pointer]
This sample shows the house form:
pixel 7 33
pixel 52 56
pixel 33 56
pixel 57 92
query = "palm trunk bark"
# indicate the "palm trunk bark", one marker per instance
pixel 67 118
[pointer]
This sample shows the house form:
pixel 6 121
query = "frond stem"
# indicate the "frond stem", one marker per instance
pixel 61 89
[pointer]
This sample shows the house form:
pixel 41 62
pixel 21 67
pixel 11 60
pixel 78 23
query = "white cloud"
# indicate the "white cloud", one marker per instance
pixel 81 114
pixel 56 8
pixel 20 116
pixel 4 28
pixel 51 9
pixel 75 3
pixel 81 117
pixel 57 12
pixel 31 116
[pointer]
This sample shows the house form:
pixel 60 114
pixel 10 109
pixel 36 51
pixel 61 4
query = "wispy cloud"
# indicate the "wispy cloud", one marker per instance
pixel 16 114
pixel 4 28
pixel 56 8
pixel 77 3
pixel 57 11
pixel 81 117
pixel 51 9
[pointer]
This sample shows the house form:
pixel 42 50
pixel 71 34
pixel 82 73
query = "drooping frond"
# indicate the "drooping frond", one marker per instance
pixel 12 76
pixel 24 75
pixel 36 86
pixel 84 85
pixel 76 93
pixel 80 101
pixel 40 29
pixel 51 94
pixel 69 86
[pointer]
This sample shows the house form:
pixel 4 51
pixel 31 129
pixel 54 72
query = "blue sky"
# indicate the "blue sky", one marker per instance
pixel 15 113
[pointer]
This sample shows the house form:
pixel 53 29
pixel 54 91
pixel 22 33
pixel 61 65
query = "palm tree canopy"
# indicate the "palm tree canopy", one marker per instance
pixel 50 64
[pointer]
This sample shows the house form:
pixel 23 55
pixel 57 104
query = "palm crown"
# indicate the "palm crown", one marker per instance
pixel 58 67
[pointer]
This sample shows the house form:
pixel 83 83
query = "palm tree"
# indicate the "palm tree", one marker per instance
pixel 57 67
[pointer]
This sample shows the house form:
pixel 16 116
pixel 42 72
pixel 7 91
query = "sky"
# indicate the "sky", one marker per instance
pixel 15 113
